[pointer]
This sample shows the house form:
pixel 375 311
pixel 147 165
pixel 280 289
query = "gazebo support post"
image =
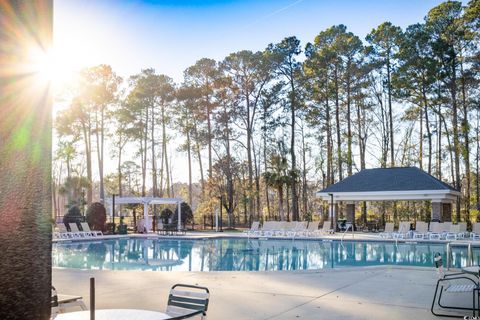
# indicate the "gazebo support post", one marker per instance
pixel 437 211
pixel 447 211
pixel 351 213
pixel 145 217
pixel 179 222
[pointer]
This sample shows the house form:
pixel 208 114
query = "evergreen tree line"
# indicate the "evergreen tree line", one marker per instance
pixel 265 130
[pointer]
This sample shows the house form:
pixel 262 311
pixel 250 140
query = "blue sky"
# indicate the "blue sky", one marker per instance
pixel 171 35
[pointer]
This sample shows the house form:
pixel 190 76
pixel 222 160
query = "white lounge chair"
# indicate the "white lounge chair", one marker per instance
pixel 76 232
pixel 93 233
pixel 435 230
pixel 438 230
pixel 255 227
pixel 298 229
pixel 327 227
pixel 282 227
pixel 475 234
pixel 312 229
pixel 388 232
pixel 267 228
pixel 61 232
pixel 457 231
pixel 421 230
pixel 403 230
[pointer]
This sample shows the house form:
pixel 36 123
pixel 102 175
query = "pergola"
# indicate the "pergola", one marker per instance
pixel 147 201
pixel 391 184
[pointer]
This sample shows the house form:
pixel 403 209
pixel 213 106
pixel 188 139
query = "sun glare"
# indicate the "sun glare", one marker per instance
pixel 50 67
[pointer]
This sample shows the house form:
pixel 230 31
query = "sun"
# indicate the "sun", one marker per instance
pixel 49 67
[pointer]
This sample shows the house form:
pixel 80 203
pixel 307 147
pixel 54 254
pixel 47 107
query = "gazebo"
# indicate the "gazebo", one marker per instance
pixel 391 184
pixel 146 201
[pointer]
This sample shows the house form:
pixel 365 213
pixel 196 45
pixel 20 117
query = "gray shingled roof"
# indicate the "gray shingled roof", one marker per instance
pixel 388 179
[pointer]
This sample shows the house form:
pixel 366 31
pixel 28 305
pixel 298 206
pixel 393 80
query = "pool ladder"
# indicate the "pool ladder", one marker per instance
pixel 449 253
pixel 345 232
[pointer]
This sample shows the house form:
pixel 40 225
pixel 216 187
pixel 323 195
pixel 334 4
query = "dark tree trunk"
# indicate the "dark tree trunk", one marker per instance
pixel 25 168
pixel 295 214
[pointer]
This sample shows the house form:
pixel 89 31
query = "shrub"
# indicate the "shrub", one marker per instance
pixel 187 214
pixel 165 215
pixel 73 215
pixel 97 216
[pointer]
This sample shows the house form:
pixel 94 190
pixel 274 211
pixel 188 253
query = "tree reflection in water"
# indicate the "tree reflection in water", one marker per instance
pixel 224 254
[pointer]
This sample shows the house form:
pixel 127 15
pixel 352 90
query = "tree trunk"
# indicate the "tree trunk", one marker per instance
pixel 330 179
pixel 466 147
pixel 390 114
pixel 144 154
pixel 349 127
pixel 88 155
pixel 304 174
pixel 190 188
pixel 420 147
pixel 280 203
pixel 154 161
pixel 25 165
pixel 337 124
pixel 199 156
pixel 456 140
pixel 292 152
pixel 249 159
pixel 119 168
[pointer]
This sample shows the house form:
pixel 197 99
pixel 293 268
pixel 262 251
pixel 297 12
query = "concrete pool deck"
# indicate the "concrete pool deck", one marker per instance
pixel 353 293
pixel 383 292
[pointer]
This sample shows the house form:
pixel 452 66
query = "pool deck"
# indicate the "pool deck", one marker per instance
pixel 353 293
pixel 348 293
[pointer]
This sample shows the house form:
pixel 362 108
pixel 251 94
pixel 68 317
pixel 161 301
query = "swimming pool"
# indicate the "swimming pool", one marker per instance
pixel 239 254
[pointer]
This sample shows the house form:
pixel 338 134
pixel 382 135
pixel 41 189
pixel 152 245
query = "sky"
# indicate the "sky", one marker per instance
pixel 170 36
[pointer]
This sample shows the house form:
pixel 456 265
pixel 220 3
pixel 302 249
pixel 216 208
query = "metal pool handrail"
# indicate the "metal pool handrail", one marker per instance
pixel 345 232
pixel 449 253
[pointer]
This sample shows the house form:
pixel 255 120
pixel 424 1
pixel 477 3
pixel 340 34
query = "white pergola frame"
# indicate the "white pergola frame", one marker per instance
pixel 147 201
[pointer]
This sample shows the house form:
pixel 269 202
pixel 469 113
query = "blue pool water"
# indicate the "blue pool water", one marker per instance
pixel 233 254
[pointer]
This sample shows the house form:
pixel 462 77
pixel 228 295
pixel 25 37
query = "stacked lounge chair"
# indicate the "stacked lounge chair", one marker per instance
pixel 388 232
pixel 312 229
pixel 475 234
pixel 75 231
pixel 403 230
pixel 457 231
pixel 93 233
pixel 421 230
pixel 299 228
pixel 254 228
pixel 327 227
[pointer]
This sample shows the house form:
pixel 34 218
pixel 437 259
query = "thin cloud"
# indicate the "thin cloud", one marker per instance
pixel 271 14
